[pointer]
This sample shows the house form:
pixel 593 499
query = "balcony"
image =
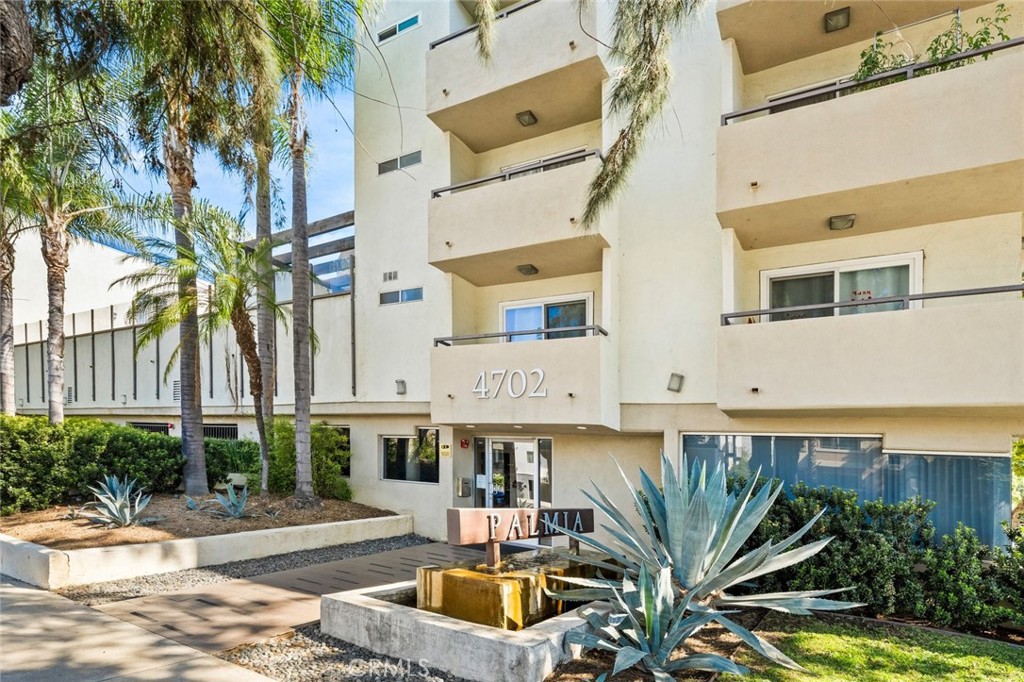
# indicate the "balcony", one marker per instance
pixel 482 229
pixel 945 358
pixel 560 384
pixel 932 148
pixel 542 61
pixel 798 30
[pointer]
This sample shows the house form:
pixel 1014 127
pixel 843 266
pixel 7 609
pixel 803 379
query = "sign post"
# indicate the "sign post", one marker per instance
pixel 494 526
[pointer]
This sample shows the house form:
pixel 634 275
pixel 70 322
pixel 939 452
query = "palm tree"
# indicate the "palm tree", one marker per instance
pixel 195 61
pixel 13 222
pixel 232 286
pixel 61 131
pixel 315 48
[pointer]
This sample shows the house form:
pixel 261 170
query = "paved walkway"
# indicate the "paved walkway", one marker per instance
pixel 47 638
pixel 217 617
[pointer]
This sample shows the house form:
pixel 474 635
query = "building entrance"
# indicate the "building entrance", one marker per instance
pixel 512 473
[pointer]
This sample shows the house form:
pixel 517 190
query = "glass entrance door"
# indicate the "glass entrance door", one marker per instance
pixel 513 473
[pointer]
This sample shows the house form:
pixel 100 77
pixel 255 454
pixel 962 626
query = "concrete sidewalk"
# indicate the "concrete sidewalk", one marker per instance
pixel 47 638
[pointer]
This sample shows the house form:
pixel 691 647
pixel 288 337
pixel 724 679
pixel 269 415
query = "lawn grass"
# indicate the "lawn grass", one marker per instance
pixel 834 650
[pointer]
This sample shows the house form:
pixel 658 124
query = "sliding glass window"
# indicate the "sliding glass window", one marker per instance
pixel 971 489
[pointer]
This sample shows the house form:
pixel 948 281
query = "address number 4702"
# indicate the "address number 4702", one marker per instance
pixel 517 383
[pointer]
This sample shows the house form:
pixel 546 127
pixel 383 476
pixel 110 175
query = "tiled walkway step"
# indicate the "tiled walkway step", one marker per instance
pixel 218 617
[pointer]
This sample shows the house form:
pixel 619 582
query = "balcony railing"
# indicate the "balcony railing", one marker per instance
pixel 472 29
pixel 904 302
pixel 586 330
pixel 848 87
pixel 519 171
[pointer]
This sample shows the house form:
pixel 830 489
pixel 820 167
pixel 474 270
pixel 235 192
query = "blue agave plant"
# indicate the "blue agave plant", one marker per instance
pixel 117 503
pixel 677 568
pixel 233 505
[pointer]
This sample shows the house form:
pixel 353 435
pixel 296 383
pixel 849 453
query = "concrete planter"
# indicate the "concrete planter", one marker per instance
pixel 52 569
pixel 380 619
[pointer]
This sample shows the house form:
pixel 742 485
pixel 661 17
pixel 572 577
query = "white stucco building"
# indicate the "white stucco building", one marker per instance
pixel 485 320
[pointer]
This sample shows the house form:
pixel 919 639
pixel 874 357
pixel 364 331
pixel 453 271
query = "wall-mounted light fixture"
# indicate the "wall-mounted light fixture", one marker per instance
pixel 526 118
pixel 837 19
pixel 842 222
pixel 675 382
pixel 124 398
pixel 400 386
pixel 527 269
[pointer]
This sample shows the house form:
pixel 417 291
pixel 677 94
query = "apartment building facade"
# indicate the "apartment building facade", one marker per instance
pixel 814 279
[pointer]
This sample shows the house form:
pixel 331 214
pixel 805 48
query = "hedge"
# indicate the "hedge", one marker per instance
pixel 42 465
pixel 889 556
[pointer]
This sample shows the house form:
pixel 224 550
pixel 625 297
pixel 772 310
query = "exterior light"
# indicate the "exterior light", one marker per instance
pixel 470 426
pixel 582 428
pixel 516 426
pixel 526 118
pixel 124 398
pixel 837 19
pixel 400 386
pixel 842 222
pixel 675 382
pixel 527 269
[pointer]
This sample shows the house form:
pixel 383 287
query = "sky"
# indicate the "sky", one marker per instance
pixel 330 168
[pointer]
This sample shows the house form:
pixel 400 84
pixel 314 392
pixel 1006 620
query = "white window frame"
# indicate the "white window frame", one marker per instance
pixel 380 455
pixel 378 31
pixel 399 292
pixel 915 259
pixel 547 157
pixel 587 296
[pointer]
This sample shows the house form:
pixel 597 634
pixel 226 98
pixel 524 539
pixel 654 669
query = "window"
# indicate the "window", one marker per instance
pixel 974 489
pixel 855 280
pixel 552 313
pixel 404 161
pixel 411 458
pixel 389 32
pixel 152 427
pixel 401 296
pixel 226 431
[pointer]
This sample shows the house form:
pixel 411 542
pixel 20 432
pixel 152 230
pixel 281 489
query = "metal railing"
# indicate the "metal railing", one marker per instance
pixel 908 71
pixel 470 29
pixel 904 301
pixel 512 173
pixel 587 330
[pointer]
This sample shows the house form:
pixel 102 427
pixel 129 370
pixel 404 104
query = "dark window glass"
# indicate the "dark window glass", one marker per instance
pixel 569 314
pixel 228 431
pixel 410 159
pixel 389 32
pixel 807 290
pixel 411 458
pixel 387 166
pixel 387 297
pixel 412 294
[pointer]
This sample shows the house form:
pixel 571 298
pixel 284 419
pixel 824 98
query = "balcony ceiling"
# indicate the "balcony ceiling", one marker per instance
pixel 773 32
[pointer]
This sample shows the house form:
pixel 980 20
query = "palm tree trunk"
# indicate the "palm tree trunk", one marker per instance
pixel 300 298
pixel 245 335
pixel 55 245
pixel 7 334
pixel 181 178
pixel 265 322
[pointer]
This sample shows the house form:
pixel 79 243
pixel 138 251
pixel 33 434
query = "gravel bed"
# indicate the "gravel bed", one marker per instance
pixel 307 654
pixel 130 588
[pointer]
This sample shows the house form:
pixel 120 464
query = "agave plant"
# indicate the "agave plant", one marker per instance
pixel 233 504
pixel 117 503
pixel 677 568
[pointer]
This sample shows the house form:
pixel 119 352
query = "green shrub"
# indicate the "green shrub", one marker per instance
pixel 153 459
pixel 1009 572
pixel 224 456
pixel 959 591
pixel 33 464
pixel 875 549
pixel 330 451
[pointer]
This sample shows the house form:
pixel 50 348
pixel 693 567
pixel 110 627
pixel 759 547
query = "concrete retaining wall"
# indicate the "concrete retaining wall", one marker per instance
pixel 370 618
pixel 52 569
